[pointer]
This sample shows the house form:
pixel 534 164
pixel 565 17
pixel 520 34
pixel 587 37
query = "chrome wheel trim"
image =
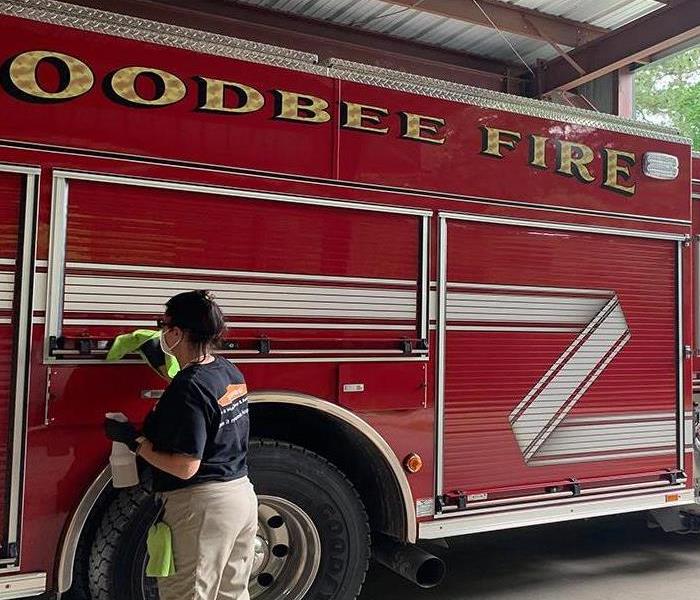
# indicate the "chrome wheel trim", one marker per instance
pixel 287 551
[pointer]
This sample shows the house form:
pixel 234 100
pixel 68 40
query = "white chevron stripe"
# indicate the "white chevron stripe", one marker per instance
pixel 611 437
pixel 308 299
pixel 505 308
pixel 554 395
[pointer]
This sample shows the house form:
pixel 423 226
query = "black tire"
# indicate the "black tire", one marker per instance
pixel 117 557
pixel 277 469
pixel 324 493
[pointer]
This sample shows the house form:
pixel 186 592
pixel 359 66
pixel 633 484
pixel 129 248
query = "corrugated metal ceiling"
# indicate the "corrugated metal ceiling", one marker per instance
pixel 424 27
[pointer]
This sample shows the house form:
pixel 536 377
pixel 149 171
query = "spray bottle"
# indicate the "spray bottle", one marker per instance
pixel 122 460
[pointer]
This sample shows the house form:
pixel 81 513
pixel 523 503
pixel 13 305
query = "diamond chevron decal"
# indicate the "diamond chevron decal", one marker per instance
pixel 542 409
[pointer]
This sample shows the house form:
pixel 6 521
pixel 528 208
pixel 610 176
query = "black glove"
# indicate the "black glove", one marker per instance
pixel 153 353
pixel 122 432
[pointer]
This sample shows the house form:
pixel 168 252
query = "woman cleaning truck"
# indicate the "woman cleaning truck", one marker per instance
pixel 196 440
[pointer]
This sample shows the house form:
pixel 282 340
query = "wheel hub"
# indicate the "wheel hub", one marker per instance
pixel 261 556
pixel 287 551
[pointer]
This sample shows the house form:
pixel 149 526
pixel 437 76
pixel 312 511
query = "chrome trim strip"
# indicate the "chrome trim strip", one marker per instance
pixel 75 527
pixel 696 285
pixel 251 325
pixel 23 324
pixel 225 273
pixel 423 193
pixel 441 355
pixel 236 193
pixel 340 354
pixel 564 226
pixel 424 299
pixel 520 502
pixel 333 352
pixel 144 30
pixel 466 94
pixel 362 427
pixel 57 258
pixel 321 359
pixel 23 353
pixel 568 510
pixel 21 169
pixel 680 485
pixel 680 415
pixel 22 586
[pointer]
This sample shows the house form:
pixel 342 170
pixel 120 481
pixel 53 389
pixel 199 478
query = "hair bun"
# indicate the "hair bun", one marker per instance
pixel 205 295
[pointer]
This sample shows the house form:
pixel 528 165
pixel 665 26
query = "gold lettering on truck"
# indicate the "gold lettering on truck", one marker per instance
pixel 614 171
pixel 212 96
pixel 359 116
pixel 413 127
pixel 573 160
pixel 538 149
pixel 492 139
pixel 300 107
pixel 75 76
pixel 169 88
pixel 28 76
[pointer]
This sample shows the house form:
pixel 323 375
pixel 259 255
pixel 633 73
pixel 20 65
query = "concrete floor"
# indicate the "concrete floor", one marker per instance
pixel 601 559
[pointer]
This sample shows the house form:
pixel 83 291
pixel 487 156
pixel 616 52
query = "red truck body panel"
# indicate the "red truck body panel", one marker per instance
pixel 512 315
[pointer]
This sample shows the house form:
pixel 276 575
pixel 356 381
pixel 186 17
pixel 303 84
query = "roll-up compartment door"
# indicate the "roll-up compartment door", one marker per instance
pixel 560 358
pixel 292 277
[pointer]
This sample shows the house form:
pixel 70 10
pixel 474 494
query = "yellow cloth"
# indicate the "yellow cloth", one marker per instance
pixel 129 343
pixel 160 551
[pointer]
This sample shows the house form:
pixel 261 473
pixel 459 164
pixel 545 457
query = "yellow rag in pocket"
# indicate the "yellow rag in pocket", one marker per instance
pixel 160 551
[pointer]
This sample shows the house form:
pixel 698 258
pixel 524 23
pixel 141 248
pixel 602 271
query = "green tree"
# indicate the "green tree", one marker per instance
pixel 668 92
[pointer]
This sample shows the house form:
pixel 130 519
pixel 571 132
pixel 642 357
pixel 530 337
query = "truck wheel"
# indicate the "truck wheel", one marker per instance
pixel 118 556
pixel 313 533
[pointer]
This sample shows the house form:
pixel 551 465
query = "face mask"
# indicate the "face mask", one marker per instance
pixel 164 345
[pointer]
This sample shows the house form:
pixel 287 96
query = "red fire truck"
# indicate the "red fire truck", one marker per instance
pixel 457 311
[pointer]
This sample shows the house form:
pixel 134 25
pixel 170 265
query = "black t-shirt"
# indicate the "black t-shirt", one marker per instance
pixel 203 413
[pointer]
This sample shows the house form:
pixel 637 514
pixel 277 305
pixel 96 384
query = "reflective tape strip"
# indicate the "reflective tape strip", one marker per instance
pixel 505 308
pixel 135 295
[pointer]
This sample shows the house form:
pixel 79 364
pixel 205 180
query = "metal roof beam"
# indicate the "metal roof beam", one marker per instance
pixel 511 19
pixel 323 39
pixel 675 24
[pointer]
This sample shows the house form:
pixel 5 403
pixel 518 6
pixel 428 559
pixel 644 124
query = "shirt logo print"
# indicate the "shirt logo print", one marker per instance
pixel 233 391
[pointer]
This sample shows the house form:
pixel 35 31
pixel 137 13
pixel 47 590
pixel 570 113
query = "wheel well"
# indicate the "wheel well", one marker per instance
pixel 348 449
pixel 321 432
pixel 72 567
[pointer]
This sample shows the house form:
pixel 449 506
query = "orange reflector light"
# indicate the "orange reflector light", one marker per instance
pixel 673 497
pixel 413 463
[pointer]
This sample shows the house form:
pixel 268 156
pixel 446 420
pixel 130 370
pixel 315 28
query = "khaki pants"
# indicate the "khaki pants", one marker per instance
pixel 213 527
